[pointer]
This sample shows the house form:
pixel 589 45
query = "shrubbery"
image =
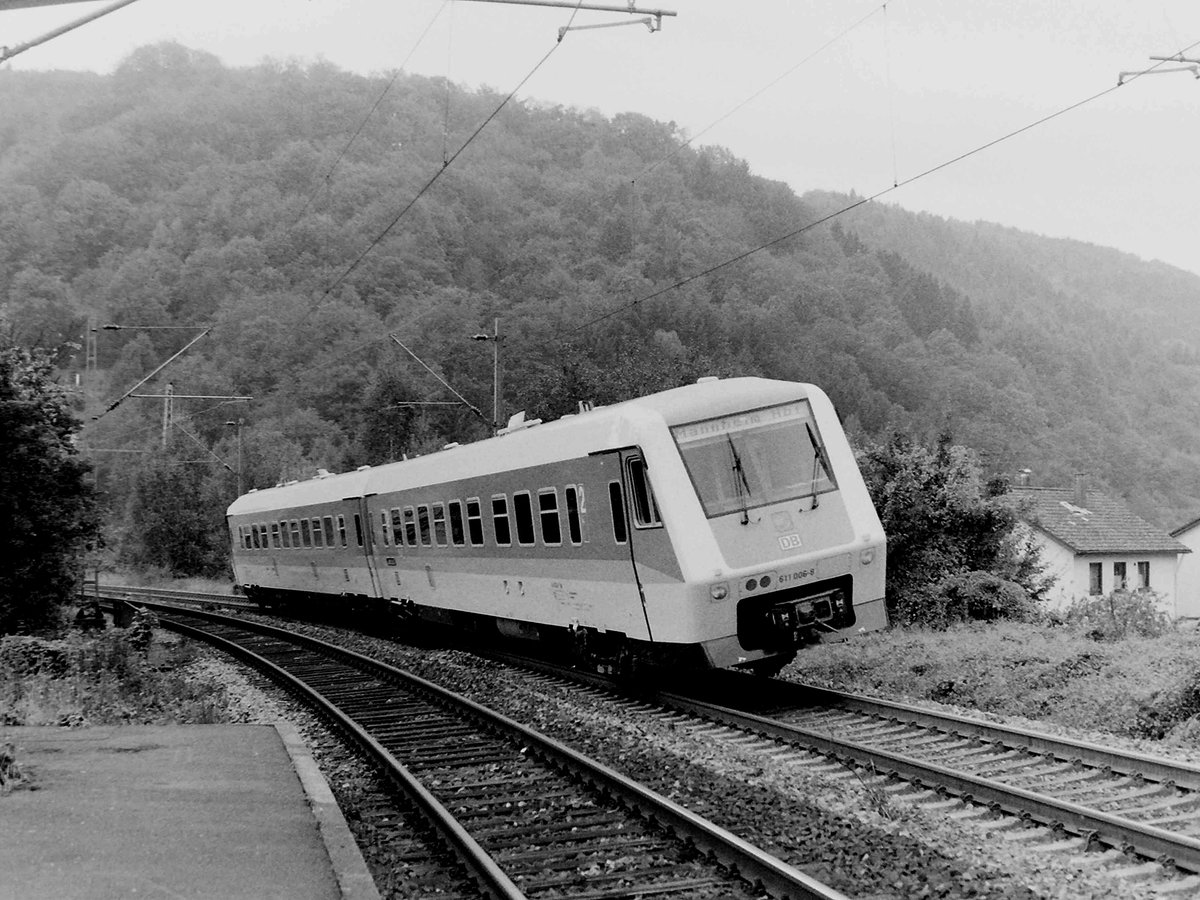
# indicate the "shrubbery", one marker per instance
pixel 1118 615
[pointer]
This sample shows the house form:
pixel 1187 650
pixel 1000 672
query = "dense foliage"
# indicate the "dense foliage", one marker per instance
pixel 47 509
pixel 179 192
pixel 953 554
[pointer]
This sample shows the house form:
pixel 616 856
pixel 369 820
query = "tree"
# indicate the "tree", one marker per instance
pixel 47 511
pixel 953 552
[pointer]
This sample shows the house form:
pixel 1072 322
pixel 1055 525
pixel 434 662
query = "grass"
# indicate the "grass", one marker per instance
pixel 103 679
pixel 1139 687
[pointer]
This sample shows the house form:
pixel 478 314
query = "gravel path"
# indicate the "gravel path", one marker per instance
pixel 855 836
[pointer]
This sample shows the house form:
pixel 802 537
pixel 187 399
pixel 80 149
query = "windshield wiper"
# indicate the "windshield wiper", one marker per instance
pixel 819 460
pixel 740 483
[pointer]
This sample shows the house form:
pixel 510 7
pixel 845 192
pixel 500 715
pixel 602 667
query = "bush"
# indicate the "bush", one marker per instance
pixel 1119 615
pixel 967 597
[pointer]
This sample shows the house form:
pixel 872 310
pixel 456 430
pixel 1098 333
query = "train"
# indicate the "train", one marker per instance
pixel 721 524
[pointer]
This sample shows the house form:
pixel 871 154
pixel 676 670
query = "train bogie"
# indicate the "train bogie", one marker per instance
pixel 720 524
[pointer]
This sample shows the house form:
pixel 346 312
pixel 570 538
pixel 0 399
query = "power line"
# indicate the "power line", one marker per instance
pixel 896 186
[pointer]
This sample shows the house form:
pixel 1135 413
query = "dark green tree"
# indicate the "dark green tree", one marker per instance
pixel 48 512
pixel 953 549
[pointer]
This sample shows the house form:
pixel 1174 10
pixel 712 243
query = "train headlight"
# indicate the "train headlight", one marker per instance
pixel 718 591
pixel 866 556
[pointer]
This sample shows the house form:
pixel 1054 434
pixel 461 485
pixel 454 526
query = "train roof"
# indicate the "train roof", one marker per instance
pixel 526 444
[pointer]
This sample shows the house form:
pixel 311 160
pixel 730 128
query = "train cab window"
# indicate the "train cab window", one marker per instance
pixel 645 508
pixel 358 530
pixel 500 520
pixel 548 515
pixel 456 523
pixel 475 522
pixel 305 533
pixel 341 527
pixel 574 522
pixel 523 513
pixel 398 527
pixel 439 524
pixel 616 500
pixel 318 537
pixel 423 525
pixel 328 523
pixel 296 533
pixel 275 535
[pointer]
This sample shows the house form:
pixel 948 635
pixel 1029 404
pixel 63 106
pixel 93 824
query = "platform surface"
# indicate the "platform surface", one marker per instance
pixel 198 811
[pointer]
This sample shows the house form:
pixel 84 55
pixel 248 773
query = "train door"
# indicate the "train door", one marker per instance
pixel 366 542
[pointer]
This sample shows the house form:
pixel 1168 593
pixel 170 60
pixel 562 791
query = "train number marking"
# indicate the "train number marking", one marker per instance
pixel 801 575
pixel 790 542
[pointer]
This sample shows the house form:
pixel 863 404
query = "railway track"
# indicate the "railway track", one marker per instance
pixel 1143 810
pixel 523 815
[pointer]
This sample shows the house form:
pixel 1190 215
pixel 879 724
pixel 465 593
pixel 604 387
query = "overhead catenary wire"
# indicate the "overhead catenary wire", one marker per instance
pixel 868 199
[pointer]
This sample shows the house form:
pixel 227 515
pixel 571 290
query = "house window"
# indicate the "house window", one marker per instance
pixel 1119 576
pixel 548 512
pixel 1095 579
pixel 1143 581
pixel 574 522
pixel 500 520
pixel 617 502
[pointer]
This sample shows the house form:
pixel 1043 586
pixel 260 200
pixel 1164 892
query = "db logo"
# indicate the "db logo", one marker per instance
pixel 790 542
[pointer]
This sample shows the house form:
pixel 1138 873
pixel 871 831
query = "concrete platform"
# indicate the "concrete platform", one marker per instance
pixel 200 811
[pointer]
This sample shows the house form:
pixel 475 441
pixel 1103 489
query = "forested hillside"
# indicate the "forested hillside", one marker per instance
pixel 179 192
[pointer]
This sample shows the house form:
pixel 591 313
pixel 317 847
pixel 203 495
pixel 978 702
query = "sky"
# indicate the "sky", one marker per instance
pixel 822 94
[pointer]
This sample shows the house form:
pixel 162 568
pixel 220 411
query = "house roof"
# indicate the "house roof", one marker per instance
pixel 1185 528
pixel 1101 524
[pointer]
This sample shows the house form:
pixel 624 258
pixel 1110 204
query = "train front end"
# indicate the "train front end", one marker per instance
pixel 791 550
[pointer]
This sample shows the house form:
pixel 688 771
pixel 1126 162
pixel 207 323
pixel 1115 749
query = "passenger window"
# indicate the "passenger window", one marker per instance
pixel 397 526
pixel 439 524
pixel 254 542
pixel 523 513
pixel 617 501
pixel 500 520
pixel 328 522
pixel 645 509
pixel 548 514
pixel 341 527
pixel 423 525
pixel 456 523
pixel 574 522
pixel 410 526
pixel 358 529
pixel 275 535
pixel 296 534
pixel 285 536
pixel 305 533
pixel 318 540
pixel 475 522
pixel 385 529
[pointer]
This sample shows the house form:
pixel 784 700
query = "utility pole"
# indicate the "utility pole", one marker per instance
pixel 495 338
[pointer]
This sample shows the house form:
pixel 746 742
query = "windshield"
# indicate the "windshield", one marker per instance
pixel 755 458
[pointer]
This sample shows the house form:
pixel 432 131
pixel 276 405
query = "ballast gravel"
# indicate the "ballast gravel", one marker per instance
pixel 853 832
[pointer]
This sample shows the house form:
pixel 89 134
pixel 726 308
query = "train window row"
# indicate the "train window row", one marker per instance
pixel 294 534
pixel 458 523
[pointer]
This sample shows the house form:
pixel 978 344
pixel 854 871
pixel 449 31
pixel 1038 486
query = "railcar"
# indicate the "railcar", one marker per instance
pixel 719 524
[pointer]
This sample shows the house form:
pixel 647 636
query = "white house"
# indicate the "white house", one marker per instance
pixel 1187 588
pixel 1092 545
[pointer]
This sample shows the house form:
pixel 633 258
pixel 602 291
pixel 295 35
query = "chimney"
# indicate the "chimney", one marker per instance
pixel 1080 498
